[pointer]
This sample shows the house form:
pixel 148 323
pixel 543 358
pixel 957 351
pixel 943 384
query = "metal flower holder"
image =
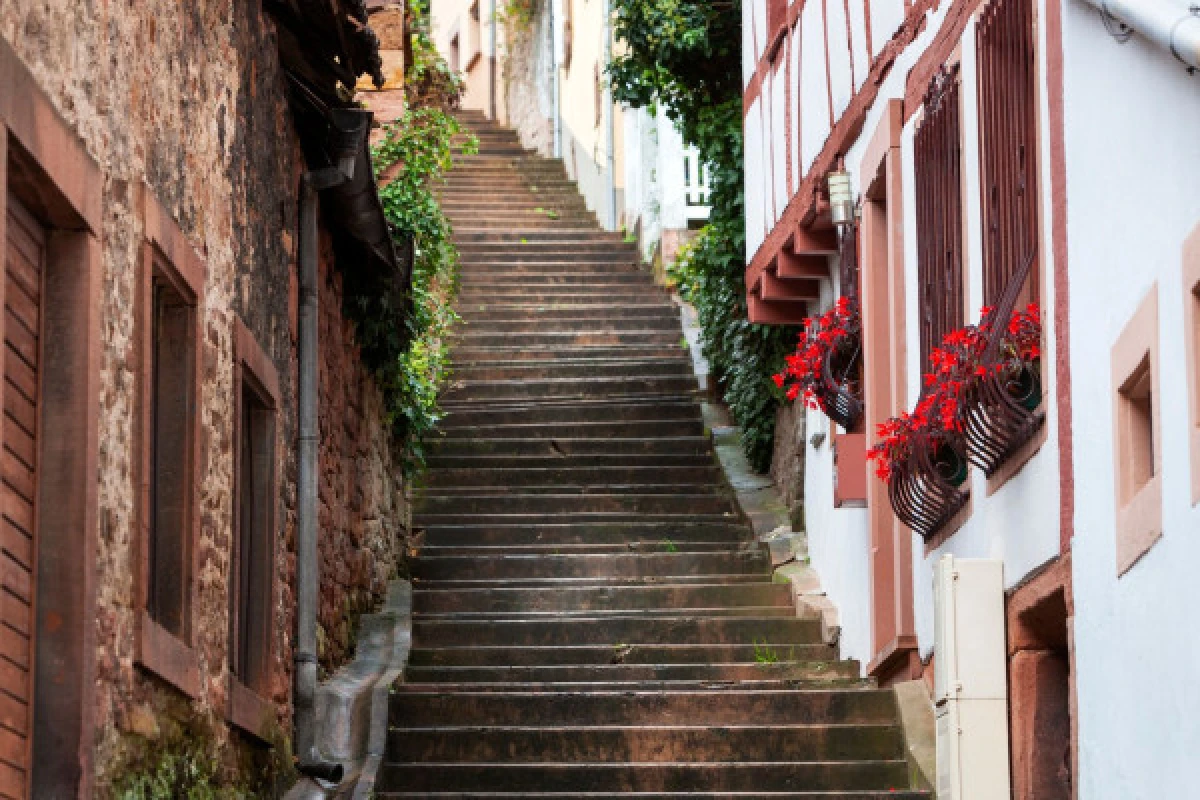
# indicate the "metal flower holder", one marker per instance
pixel 999 409
pixel 926 489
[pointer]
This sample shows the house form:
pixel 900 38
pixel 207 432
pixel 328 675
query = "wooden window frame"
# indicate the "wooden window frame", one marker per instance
pixel 167 255
pixel 1191 316
pixel 1138 509
pixel 47 167
pixel 247 708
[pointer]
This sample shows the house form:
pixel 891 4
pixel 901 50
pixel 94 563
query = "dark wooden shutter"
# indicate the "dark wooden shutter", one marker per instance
pixel 1007 144
pixel 939 213
pixel 24 268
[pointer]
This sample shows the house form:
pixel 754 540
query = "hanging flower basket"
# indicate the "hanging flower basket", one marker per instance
pixel 826 368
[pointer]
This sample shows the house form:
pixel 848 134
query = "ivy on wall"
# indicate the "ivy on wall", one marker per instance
pixel 685 56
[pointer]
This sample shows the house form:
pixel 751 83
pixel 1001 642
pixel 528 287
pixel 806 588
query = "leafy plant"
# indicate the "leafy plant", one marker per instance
pixel 765 654
pixel 670 546
pixel 685 55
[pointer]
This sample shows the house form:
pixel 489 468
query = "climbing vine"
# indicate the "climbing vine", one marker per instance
pixel 404 338
pixel 685 56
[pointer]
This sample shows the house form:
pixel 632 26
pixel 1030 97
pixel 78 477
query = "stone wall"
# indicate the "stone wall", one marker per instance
pixel 787 462
pixel 188 99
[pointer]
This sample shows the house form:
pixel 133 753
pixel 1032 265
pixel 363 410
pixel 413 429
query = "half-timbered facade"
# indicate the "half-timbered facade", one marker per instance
pixel 1001 153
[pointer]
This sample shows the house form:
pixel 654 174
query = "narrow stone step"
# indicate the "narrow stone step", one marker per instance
pixel 515 353
pixel 677 366
pixel 582 533
pixel 562 447
pixel 552 582
pixel 617 743
pixel 661 546
pixel 582 388
pixel 636 565
pixel 571 476
pixel 628 600
pixel 585 655
pixel 889 794
pixel 510 502
pixel 613 632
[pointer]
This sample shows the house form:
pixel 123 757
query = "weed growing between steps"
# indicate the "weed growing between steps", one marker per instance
pixel 410 356
pixel 686 57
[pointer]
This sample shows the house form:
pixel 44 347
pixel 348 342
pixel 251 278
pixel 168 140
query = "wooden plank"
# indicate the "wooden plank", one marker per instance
pixel 17 475
pixel 13 749
pixel 19 408
pixel 12 782
pixel 16 509
pixel 15 612
pixel 18 375
pixel 23 307
pixel 13 713
pixel 14 647
pixel 16 543
pixel 21 340
pixel 14 680
pixel 25 270
pixel 16 578
pixel 18 442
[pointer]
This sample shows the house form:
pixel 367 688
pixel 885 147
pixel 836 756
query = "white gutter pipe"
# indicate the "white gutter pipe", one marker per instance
pixel 555 81
pixel 1167 24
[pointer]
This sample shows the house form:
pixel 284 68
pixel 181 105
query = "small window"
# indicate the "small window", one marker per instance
pixel 1137 435
pixel 455 55
pixel 172 414
pixel 252 564
pixel 1136 425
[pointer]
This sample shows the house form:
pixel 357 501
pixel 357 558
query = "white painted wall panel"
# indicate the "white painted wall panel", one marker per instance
pixel 759 7
pixel 797 110
pixel 1135 637
pixel 841 81
pixel 886 18
pixel 858 39
pixel 814 90
pixel 755 222
pixel 779 138
pixel 748 48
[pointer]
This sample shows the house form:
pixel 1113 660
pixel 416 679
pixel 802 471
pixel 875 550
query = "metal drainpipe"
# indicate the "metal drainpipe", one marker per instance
pixel 610 111
pixel 1171 27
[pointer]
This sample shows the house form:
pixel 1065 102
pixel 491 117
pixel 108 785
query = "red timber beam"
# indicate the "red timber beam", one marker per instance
pixel 806 215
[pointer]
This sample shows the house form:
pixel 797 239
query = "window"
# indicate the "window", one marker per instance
pixel 455 54
pixel 1007 145
pixel 171 288
pixel 252 572
pixel 1137 435
pixel 938 176
pixel 172 411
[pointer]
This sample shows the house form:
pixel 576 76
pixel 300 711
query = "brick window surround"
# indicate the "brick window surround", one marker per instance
pixel 47 170
pixel 168 508
pixel 1137 435
pixel 252 576
pixel 1191 316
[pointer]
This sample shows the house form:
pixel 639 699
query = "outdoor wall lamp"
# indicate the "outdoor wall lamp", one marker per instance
pixel 841 199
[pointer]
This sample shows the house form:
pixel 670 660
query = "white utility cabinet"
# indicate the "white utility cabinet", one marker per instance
pixel 970 679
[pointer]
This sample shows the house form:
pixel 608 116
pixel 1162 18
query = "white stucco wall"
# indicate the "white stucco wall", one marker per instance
pixel 1133 172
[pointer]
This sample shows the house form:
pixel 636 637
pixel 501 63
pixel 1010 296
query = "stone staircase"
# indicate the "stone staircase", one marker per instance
pixel 592 616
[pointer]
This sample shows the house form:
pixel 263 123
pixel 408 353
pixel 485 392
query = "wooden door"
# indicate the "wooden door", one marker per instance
pixel 24 267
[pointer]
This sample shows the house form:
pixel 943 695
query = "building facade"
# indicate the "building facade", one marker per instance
pixel 994 162
pixel 152 157
pixel 539 67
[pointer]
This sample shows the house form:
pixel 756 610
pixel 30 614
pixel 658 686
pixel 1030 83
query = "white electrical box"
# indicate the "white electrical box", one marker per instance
pixel 970 679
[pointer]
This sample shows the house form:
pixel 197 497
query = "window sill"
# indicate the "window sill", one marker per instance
pixel 167 656
pixel 249 712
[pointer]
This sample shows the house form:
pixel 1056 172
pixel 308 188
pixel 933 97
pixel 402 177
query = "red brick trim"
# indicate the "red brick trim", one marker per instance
pixel 167 656
pixel 47 166
pixel 254 361
pixel 1062 289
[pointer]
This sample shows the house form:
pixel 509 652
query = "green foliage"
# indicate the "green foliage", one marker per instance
pixel 428 80
pixel 685 56
pixel 516 15
pixel 411 361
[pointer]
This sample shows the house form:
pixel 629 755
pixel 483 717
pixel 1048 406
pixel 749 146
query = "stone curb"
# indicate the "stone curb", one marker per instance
pixel 352 707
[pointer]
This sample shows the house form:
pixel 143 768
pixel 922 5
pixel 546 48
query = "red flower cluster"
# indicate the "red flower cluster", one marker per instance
pixel 833 335
pixel 953 366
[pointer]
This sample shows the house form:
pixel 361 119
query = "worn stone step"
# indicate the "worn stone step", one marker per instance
pixel 661 546
pixel 719 599
pixel 611 632
pixel 568 323
pixel 561 447
pixel 571 476
pixel 888 794
pixel 561 388
pixel 557 430
pixel 491 290
pixel 549 413
pixel 500 462
pixel 515 353
pixel 678 366
pixel 680 743
pixel 554 250
pixel 602 655
pixel 564 237
pixel 626 565
pixel 491 279
pixel 511 502
pixel 591 532
pixel 458 582
pixel 427 520
pixel 724 612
